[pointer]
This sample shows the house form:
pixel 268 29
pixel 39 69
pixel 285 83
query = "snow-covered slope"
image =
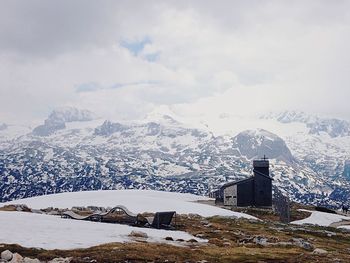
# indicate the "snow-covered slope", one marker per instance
pixel 53 232
pixel 137 201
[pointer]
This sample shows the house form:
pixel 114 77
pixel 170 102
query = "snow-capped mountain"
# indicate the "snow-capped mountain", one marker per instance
pixel 58 119
pixel 333 127
pixel 164 153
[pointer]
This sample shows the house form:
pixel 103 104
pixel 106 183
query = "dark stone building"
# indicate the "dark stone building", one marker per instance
pixel 254 191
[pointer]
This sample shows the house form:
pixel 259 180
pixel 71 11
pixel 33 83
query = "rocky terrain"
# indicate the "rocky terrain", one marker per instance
pixel 73 151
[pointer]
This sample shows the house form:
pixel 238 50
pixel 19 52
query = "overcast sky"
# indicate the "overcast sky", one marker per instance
pixel 124 58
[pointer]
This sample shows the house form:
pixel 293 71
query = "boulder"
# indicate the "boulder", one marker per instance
pixel 319 251
pixel 16 258
pixel 138 234
pixel 302 243
pixel 6 255
pixel 260 241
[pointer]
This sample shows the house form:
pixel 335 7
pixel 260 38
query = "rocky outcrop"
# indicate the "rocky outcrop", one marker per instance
pixel 58 118
pixel 108 128
pixel 257 143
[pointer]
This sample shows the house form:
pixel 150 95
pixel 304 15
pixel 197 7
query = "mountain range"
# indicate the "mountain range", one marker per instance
pixel 73 150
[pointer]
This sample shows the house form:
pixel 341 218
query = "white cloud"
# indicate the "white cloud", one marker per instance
pixel 231 56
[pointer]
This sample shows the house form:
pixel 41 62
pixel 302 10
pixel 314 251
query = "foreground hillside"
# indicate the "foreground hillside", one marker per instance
pixel 203 233
pixel 229 240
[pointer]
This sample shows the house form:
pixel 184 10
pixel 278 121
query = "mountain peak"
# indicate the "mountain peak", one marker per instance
pixel 58 118
pixel 70 114
pixel 163 114
pixel 260 142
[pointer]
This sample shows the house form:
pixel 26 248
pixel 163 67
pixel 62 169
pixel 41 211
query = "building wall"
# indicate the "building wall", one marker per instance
pixel 245 193
pixel 230 195
pixel 261 166
pixel 263 191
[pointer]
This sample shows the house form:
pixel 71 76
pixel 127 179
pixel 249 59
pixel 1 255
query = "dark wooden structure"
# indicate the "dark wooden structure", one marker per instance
pixel 255 191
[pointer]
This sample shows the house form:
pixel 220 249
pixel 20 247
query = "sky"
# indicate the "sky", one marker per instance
pixel 126 58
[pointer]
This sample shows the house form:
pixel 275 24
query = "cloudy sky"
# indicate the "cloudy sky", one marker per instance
pixel 125 58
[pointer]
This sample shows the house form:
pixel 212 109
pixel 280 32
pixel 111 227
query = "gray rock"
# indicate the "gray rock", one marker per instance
pixel 16 258
pixel 319 251
pixel 302 243
pixel 260 241
pixel 60 260
pixel 6 255
pixel 31 260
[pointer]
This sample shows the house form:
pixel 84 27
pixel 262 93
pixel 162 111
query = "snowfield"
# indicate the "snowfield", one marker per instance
pixel 320 218
pixel 137 201
pixel 53 232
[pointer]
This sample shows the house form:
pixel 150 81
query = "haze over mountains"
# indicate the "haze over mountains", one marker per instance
pixel 74 150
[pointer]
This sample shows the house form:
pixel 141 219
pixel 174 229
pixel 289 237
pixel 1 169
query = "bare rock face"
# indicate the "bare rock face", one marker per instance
pixel 6 255
pixel 257 143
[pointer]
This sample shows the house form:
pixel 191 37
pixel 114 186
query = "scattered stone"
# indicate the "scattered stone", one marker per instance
pixel 227 244
pixel 16 258
pixel 180 240
pixel 31 260
pixel 260 241
pixel 192 240
pixel 6 255
pixel 60 260
pixel 319 251
pixel 200 235
pixel 302 243
pixel 169 239
pixel 202 261
pixel 138 234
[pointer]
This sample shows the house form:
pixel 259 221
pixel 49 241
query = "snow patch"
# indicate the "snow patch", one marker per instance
pixel 320 218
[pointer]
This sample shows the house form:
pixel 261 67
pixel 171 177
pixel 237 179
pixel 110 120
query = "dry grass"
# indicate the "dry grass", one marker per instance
pixel 13 208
